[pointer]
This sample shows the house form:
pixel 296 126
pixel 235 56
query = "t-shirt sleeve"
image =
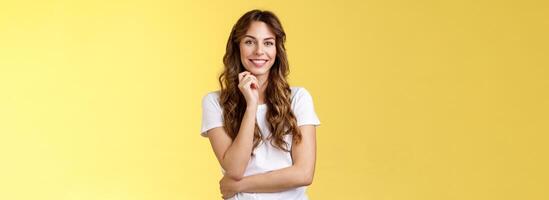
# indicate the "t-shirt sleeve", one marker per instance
pixel 304 108
pixel 212 114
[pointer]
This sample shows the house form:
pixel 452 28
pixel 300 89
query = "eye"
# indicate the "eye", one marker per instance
pixel 269 43
pixel 248 42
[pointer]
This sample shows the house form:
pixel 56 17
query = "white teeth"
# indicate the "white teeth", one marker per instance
pixel 259 61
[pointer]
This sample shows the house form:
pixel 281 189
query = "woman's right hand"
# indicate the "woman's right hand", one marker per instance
pixel 249 86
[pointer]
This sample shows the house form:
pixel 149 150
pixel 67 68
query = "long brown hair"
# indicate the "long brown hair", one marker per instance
pixel 281 120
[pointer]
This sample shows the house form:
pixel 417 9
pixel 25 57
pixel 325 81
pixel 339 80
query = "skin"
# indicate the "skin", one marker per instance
pixel 258 44
pixel 233 156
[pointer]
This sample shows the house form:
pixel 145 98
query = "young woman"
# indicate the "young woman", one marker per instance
pixel 262 131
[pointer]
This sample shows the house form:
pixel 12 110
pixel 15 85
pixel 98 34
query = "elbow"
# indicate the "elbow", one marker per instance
pixel 307 180
pixel 233 172
pixel 306 177
pixel 234 175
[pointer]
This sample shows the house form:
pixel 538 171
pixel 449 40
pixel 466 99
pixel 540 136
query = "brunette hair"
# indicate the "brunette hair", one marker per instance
pixel 281 120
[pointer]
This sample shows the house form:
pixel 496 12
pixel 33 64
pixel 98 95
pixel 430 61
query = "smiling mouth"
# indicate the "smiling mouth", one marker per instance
pixel 258 62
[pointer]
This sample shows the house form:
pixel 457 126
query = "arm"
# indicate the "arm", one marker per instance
pixel 299 174
pixel 233 156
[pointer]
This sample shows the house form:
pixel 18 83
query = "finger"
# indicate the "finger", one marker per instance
pixel 248 85
pixel 245 83
pixel 241 75
pixel 252 76
pixel 245 79
pixel 248 77
pixel 244 73
pixel 255 82
pixel 244 76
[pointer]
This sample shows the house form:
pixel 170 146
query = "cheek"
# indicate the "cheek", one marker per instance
pixel 242 51
pixel 244 54
pixel 245 49
pixel 272 53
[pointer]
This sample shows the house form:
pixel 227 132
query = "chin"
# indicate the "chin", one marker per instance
pixel 256 72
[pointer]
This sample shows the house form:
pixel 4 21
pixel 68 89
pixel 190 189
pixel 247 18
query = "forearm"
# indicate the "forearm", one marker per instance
pixel 277 180
pixel 237 156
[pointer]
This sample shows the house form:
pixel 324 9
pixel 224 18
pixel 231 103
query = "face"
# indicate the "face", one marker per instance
pixel 258 49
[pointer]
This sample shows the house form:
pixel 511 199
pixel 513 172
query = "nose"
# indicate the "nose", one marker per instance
pixel 259 50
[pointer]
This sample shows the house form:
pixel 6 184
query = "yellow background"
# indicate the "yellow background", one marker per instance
pixel 423 100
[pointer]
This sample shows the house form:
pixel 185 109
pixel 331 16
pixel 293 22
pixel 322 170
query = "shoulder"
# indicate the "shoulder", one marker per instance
pixel 211 99
pixel 212 114
pixel 303 107
pixel 211 95
pixel 299 92
pixel 300 96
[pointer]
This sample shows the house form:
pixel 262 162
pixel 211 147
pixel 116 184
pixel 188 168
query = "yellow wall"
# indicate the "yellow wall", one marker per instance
pixel 418 99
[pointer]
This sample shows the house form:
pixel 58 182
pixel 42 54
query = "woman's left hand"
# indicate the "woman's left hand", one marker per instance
pixel 228 187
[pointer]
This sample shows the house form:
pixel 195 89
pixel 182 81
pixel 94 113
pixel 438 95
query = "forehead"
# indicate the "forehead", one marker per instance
pixel 259 30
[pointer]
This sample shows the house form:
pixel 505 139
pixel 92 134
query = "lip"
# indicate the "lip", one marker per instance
pixel 258 62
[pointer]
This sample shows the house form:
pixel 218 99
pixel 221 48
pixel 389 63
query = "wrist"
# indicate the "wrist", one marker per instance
pixel 241 186
pixel 251 106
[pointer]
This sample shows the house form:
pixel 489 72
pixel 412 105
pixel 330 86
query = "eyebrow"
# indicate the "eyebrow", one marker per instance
pixel 256 39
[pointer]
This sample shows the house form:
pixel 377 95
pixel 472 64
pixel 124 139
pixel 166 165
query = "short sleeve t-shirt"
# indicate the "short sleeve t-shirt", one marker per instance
pixel 266 157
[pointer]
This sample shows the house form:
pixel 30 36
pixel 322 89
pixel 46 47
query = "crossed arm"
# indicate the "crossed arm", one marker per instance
pixel 233 156
pixel 299 174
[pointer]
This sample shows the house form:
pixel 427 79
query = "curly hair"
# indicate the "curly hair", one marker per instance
pixel 281 120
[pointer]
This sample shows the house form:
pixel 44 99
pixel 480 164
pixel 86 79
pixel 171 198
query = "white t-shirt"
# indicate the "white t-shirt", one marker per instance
pixel 266 157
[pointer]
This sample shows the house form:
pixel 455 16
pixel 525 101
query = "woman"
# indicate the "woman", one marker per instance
pixel 262 131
